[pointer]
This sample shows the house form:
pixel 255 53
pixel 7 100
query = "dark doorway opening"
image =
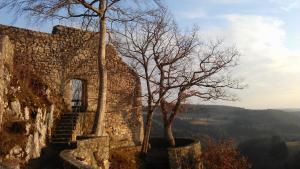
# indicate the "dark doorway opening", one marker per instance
pixel 78 101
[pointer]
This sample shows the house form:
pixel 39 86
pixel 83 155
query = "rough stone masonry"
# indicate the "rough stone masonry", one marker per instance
pixel 70 53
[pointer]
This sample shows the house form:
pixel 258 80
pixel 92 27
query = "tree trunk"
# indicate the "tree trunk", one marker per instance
pixel 101 106
pixel 145 144
pixel 169 135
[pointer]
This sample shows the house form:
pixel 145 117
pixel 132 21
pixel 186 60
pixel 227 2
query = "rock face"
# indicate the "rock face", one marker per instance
pixel 42 130
pixel 25 125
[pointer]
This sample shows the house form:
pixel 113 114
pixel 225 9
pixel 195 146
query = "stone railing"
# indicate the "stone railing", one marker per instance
pixel 91 153
pixel 185 156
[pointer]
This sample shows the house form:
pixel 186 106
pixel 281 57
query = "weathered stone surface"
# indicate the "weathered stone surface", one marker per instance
pixel 90 153
pixel 58 58
pixel 6 55
pixel 16 109
pixel 10 166
pixel 69 53
pixel 26 113
pixel 42 129
pixel 15 153
pixel 185 157
pixel 32 138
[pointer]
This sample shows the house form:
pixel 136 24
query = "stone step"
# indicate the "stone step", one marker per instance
pixel 68 116
pixel 68 119
pixel 66 124
pixel 73 121
pixel 64 144
pixel 63 132
pixel 62 135
pixel 64 129
pixel 70 127
pixel 61 139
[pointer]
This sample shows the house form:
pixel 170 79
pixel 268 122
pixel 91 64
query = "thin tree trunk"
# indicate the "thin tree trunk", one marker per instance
pixel 101 106
pixel 145 144
pixel 167 125
pixel 169 135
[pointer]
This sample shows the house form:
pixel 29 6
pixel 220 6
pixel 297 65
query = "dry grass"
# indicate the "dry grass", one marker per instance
pixel 126 159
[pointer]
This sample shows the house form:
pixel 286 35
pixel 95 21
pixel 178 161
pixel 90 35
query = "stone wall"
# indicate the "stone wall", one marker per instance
pixel 68 54
pixel 85 123
pixel 185 157
pixel 6 57
pixel 90 153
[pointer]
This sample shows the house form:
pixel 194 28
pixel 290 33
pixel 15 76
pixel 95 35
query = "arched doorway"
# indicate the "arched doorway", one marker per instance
pixel 78 94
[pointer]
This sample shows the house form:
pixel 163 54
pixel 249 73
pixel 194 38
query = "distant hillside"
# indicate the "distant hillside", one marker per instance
pixel 202 121
pixel 292 110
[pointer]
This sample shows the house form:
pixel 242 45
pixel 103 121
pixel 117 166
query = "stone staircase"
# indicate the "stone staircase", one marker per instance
pixel 64 130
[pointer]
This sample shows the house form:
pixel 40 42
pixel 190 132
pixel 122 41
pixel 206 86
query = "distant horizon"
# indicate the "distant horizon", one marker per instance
pixel 235 106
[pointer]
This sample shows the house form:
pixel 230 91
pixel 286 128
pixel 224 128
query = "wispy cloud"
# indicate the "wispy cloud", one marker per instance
pixel 192 14
pixel 287 5
pixel 269 68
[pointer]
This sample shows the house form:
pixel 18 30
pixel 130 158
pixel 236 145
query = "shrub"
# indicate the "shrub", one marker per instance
pixel 223 155
pixel 125 160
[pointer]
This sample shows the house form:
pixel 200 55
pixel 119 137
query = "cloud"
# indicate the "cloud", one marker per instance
pixel 269 68
pixel 286 5
pixel 195 14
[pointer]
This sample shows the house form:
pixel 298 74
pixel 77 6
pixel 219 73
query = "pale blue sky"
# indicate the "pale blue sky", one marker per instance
pixel 267 32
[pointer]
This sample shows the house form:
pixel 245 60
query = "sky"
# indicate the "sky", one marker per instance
pixel 266 32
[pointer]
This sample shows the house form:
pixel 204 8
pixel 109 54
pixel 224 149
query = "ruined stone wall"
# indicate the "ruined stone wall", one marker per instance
pixel 56 57
pixel 90 153
pixel 185 157
pixel 68 54
pixel 6 56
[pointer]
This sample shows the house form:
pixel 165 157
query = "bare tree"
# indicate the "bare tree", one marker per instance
pixel 134 42
pixel 89 13
pixel 176 66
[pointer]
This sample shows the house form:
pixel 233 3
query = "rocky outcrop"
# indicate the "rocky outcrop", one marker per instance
pixel 25 125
